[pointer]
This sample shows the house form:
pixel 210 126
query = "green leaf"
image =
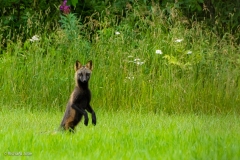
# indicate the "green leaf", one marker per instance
pixel 199 8
pixel 73 2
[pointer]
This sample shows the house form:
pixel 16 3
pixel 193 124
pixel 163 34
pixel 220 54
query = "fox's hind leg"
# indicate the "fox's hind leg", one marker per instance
pixel 70 127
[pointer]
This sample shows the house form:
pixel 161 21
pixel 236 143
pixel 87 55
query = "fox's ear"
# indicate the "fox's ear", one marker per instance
pixel 89 65
pixel 77 65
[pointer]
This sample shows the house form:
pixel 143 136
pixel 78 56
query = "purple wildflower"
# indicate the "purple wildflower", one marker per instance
pixel 64 8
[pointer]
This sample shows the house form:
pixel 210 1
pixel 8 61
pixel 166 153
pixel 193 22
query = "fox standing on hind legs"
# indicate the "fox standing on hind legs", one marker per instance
pixel 80 99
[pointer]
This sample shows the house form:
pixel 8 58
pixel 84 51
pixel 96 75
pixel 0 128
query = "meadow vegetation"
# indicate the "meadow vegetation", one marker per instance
pixel 163 86
pixel 195 71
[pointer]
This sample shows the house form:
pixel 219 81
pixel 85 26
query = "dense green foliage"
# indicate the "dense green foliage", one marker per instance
pixel 197 72
pixel 19 19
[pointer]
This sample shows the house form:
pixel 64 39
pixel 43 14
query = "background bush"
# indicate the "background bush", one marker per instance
pixel 31 17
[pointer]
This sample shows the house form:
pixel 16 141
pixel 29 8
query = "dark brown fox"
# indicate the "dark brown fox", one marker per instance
pixel 80 99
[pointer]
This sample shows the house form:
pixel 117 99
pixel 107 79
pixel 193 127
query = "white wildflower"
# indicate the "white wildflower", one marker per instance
pixel 34 38
pixel 137 59
pixel 189 52
pixel 117 33
pixel 139 63
pixel 130 77
pixel 178 40
pixel 159 51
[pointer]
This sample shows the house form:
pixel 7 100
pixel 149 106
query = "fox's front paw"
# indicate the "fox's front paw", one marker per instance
pixel 94 119
pixel 86 122
pixel 94 122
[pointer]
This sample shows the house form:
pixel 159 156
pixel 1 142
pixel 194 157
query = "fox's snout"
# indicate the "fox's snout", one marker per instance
pixel 84 80
pixel 84 77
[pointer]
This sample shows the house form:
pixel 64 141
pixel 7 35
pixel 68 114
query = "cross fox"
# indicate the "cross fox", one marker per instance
pixel 80 99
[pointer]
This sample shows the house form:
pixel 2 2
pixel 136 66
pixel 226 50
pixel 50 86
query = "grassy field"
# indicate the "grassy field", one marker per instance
pixel 120 135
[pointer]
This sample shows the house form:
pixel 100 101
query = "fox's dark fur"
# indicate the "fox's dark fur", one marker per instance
pixel 80 99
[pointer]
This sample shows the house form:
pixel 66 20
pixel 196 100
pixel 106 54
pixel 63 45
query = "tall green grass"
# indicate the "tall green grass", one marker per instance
pixel 200 74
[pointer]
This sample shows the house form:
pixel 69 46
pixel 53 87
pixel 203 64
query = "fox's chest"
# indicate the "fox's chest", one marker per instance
pixel 82 96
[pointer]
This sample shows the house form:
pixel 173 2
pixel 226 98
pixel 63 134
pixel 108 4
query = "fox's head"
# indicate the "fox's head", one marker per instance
pixel 83 72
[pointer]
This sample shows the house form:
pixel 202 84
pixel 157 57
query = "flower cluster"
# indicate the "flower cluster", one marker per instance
pixel 159 51
pixel 64 7
pixel 117 33
pixel 34 38
pixel 178 40
pixel 136 61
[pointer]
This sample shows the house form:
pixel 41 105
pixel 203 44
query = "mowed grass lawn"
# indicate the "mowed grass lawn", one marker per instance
pixel 120 135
